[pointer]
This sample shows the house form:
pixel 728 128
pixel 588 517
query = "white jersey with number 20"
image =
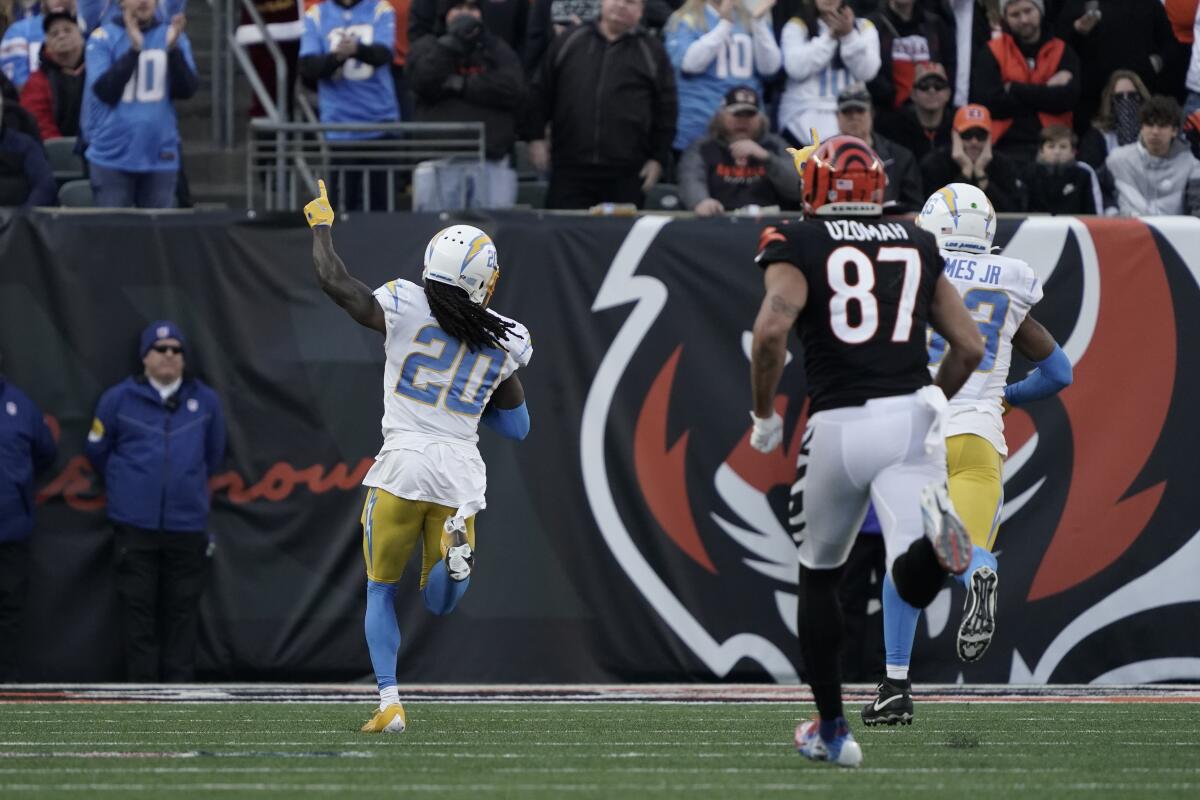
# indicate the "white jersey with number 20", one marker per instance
pixel 434 390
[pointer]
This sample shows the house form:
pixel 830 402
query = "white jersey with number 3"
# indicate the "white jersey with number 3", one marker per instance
pixel 434 390
pixel 998 292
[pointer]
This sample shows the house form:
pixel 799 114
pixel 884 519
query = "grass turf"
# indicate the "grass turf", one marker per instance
pixel 541 750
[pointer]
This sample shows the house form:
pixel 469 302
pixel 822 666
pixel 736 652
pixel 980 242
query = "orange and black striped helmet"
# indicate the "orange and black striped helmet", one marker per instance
pixel 844 177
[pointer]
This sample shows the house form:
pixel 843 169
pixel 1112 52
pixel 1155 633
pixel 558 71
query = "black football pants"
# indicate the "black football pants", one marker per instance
pixel 14 584
pixel 160 577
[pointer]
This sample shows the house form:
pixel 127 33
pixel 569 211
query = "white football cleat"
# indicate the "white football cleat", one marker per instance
pixel 951 542
pixel 459 556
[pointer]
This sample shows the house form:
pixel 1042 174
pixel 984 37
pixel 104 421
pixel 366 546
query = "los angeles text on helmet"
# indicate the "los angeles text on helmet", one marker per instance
pixel 843 229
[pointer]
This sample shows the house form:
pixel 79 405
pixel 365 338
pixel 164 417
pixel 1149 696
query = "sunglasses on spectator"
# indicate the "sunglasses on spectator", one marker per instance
pixel 932 86
pixel 167 348
pixel 974 134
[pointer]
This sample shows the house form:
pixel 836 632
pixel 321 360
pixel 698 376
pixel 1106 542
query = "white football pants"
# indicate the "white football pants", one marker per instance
pixel 883 452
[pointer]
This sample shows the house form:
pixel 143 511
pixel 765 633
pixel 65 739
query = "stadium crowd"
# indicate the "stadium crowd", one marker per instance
pixel 1049 106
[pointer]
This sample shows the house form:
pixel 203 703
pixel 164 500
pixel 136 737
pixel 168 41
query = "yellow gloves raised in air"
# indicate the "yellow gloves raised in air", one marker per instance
pixel 319 212
pixel 801 155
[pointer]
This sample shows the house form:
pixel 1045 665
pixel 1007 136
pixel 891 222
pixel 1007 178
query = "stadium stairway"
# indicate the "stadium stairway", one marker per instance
pixel 216 176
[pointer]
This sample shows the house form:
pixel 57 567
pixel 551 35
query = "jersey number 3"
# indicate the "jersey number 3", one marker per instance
pixel 861 293
pixel 451 375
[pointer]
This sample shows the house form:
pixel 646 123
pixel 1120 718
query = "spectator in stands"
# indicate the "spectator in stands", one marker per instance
pixel 15 117
pixel 924 123
pixel 130 125
pixel 1182 16
pixel 1027 77
pixel 908 35
pixel 856 117
pixel 13 11
pixel 464 73
pixel 975 23
pixel 1115 34
pixel 156 440
pixel 22 42
pixel 715 46
pixel 607 90
pixel 347 48
pixel 970 159
pixel 739 163
pixel 548 19
pixel 25 175
pixel 1158 173
pixel 825 48
pixel 1116 123
pixel 1193 70
pixel 506 19
pixel 1055 183
pixel 404 95
pixel 26 448
pixel 54 94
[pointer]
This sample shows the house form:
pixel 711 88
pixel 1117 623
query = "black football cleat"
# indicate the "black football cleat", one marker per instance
pixel 892 704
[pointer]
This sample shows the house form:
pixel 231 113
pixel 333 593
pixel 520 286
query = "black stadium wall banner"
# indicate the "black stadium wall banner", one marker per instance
pixel 634 535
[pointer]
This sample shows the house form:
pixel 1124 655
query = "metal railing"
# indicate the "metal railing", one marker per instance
pixel 284 159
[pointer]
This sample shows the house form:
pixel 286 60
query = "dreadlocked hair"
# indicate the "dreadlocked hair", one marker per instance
pixel 471 324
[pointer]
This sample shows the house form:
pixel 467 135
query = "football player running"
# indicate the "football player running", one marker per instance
pixel 860 292
pixel 999 292
pixel 451 364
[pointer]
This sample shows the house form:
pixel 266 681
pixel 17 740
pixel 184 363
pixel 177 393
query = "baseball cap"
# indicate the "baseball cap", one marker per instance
pixel 926 69
pixel 971 116
pixel 161 329
pixel 55 16
pixel 741 98
pixel 854 96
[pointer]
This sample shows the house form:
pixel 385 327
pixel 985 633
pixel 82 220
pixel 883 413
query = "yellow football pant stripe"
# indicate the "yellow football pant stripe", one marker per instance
pixel 976 485
pixel 392 526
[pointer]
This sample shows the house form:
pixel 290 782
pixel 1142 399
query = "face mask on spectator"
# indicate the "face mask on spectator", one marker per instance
pixel 1125 113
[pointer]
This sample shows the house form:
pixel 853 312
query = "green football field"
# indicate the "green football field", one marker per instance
pixel 584 750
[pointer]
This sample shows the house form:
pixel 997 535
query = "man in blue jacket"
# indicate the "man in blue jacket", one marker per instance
pixel 26 448
pixel 137 66
pixel 156 439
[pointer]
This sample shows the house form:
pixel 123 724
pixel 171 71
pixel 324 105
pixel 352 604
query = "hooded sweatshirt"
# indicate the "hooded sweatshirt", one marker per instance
pixel 1147 185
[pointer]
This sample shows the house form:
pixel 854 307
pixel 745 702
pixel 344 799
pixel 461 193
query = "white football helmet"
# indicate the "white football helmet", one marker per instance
pixel 961 217
pixel 463 256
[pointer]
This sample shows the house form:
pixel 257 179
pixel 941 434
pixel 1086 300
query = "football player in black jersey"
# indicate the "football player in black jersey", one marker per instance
pixel 860 291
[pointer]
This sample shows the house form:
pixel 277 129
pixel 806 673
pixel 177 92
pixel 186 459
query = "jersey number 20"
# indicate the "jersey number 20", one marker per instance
pixel 861 293
pixel 424 377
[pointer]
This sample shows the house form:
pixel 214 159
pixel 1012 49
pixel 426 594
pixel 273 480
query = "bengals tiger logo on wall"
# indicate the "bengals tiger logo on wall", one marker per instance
pixel 1099 544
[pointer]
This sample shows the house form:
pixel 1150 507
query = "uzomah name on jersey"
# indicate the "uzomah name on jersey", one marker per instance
pixel 844 229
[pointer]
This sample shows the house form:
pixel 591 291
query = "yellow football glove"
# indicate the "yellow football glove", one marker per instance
pixel 319 212
pixel 801 155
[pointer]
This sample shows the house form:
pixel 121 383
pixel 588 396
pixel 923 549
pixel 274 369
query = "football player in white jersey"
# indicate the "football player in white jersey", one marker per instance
pixel 451 364
pixel 999 292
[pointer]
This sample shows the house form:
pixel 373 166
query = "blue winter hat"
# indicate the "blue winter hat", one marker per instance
pixel 161 329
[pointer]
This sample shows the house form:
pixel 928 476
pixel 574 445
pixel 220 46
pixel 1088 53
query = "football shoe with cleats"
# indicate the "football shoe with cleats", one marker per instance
pixel 951 542
pixel 978 624
pixel 387 720
pixel 841 750
pixel 460 559
pixel 892 704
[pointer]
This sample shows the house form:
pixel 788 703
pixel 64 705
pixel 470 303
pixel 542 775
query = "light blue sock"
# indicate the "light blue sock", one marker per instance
pixel 899 630
pixel 442 594
pixel 383 632
pixel 979 558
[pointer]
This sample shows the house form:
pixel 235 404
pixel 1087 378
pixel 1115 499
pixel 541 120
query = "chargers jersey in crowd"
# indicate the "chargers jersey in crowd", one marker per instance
pixel 357 92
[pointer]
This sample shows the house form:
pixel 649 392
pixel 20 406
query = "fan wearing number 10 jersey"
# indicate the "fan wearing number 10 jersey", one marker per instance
pixel 451 364
pixel 860 292
pixel 999 292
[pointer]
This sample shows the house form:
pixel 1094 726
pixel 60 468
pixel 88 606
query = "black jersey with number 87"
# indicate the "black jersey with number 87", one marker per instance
pixel 870 284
